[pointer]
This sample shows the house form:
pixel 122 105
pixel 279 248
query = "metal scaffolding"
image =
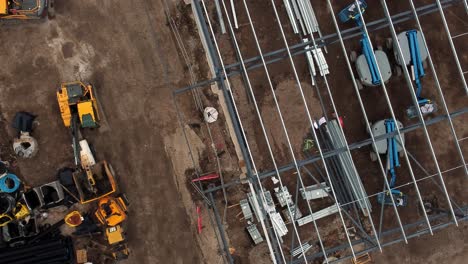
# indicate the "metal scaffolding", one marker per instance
pixel 332 168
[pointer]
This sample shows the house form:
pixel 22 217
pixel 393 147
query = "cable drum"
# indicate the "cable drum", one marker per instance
pixel 210 114
pixel 25 146
pixel 9 183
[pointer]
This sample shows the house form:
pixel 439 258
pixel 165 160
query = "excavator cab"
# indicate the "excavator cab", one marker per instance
pixel 77 99
pixel 24 9
pixel 112 210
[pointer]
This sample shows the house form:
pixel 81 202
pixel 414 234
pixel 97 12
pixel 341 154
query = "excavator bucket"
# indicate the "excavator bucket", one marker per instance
pixel 104 182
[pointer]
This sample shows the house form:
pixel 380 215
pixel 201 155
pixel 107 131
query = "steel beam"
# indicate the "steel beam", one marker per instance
pixel 346 34
pixel 300 48
pixel 366 119
pixel 342 247
pixel 452 46
pixel 352 146
pixel 409 83
pixel 439 88
pixel 221 230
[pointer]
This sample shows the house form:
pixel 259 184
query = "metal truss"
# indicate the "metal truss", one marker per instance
pixel 322 163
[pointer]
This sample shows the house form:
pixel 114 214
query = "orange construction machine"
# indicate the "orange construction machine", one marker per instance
pixel 112 210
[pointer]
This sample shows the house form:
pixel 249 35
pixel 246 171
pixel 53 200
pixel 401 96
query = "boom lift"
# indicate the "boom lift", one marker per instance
pixel 366 64
pixel 25 9
pixel 392 148
pixel 410 42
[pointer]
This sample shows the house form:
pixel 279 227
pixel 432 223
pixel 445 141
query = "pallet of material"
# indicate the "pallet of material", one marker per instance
pixel 254 234
pixel 269 200
pixel 246 211
pixel 296 213
pixel 283 196
pixel 317 215
pixel 315 191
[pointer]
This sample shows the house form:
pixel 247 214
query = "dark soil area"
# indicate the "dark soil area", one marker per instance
pixel 127 51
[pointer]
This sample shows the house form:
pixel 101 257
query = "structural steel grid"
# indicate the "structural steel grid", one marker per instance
pixel 326 163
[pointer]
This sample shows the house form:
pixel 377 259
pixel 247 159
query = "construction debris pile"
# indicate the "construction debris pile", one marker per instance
pixel 77 218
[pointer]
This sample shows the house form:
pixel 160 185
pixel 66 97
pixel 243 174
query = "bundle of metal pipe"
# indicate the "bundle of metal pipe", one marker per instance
pixel 351 176
pixel 301 12
pixel 52 251
pixel 343 193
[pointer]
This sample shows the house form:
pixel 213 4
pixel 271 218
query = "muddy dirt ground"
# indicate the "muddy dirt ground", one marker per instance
pixel 126 49
pixel 346 101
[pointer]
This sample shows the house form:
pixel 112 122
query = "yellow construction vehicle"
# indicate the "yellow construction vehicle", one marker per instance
pixel 95 182
pixel 26 9
pixel 111 213
pixel 79 109
pixel 112 210
pixel 77 100
pixel 115 235
pixel 116 239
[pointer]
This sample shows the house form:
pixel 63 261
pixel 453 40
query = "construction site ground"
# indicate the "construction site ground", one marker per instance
pixel 128 50
pixel 345 98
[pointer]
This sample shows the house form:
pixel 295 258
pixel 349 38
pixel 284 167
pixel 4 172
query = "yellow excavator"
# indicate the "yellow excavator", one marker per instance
pixel 79 109
pixel 26 9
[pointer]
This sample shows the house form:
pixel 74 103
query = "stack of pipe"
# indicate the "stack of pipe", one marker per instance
pixel 301 14
pixel 340 183
pixel 52 251
pixel 353 179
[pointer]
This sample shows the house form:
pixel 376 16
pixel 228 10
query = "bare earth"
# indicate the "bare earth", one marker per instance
pixel 125 49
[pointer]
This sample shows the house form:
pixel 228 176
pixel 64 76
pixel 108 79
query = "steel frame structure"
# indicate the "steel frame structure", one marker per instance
pixel 375 240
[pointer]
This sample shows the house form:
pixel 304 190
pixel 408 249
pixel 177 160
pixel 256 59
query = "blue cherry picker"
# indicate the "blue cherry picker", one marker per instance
pixel 414 55
pixel 392 148
pixel 366 64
